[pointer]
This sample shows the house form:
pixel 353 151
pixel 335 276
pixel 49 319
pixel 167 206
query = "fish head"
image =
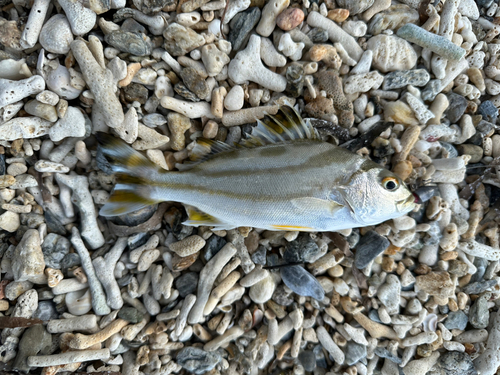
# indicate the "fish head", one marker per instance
pixel 375 195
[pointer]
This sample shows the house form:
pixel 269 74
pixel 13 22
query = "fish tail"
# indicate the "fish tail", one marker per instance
pixel 134 187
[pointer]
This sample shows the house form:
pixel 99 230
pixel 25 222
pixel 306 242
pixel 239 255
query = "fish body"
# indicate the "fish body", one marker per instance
pixel 277 181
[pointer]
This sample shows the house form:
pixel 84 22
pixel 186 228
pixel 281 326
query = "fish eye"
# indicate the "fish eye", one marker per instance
pixel 390 183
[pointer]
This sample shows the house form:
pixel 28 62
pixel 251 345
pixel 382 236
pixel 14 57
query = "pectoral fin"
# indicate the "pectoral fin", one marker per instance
pixel 316 205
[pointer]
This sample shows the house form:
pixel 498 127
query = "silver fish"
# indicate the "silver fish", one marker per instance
pixel 283 177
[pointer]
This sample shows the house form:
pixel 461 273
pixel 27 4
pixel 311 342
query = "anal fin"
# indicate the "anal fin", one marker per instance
pixel 197 217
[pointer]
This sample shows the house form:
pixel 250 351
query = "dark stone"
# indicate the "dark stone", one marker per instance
pixel 307 359
pixel 196 360
pixel 2 164
pixel 53 223
pixel 456 320
pixel 369 247
pixel 132 26
pixel 479 314
pixel 130 314
pixel 46 310
pixel 400 79
pixel 213 245
pixel 481 265
pixel 102 163
pixel 181 89
pixel 259 256
pixel 282 297
pixel 302 249
pixel 373 315
pixel 458 268
pixel 444 309
pixel 70 260
pixel 302 282
pixel 432 88
pixel 135 92
pixel 242 25
pixel 456 363
pixel 384 353
pixel 125 280
pixel 295 79
pixel 457 107
pixel 135 43
pixel 136 217
pixel 194 82
pixel 187 283
pixel 136 240
pixel 318 35
pixel 488 110
pixel 354 352
pixel 320 357
pixel 54 249
pixel 150 7
pixel 425 193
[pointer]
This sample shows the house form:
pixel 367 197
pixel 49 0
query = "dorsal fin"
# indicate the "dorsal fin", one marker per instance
pixel 285 126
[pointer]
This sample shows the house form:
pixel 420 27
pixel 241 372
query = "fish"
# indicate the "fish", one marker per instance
pixel 283 177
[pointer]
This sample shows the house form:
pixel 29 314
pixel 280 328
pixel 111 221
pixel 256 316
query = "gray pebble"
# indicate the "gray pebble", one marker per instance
pixel 355 7
pixel 318 35
pixel 282 297
pixel 369 247
pixel 354 352
pixel 302 282
pixel 488 110
pixel 455 363
pixel 456 320
pixel 46 310
pixel 34 340
pixel 181 89
pixel 479 315
pixel 195 82
pixel 307 359
pixel 384 353
pixel 54 249
pixel 135 43
pixel 457 107
pixel 302 249
pixel 481 265
pixel 241 25
pixel 196 360
pixel 400 79
pixel 187 283
pixel 212 247
pixel 130 314
pixel 259 256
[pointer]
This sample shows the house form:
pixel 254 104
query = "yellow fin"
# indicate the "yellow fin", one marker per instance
pixel 197 218
pixel 122 202
pixel 292 228
pixel 320 206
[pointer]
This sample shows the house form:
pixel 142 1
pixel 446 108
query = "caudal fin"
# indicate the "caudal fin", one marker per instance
pixel 134 177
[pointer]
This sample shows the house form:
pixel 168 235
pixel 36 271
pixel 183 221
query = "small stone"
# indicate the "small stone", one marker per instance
pixel 355 7
pixel 458 268
pixel 302 282
pixel 241 26
pixel 479 287
pixel 307 359
pixel 263 290
pixel 479 314
pixel 456 108
pixel 488 110
pixel 56 35
pixel 290 18
pixel 338 15
pixel 389 294
pixel 34 340
pixel 71 125
pixel 456 363
pixel 10 221
pixel 151 7
pixel 180 40
pixel 259 256
pixel 475 152
pixel 392 19
pixel 391 53
pixel 282 296
pixel 186 283
pixel 70 260
pixel 369 247
pixel 195 82
pixel 46 310
pixel 130 314
pixel 318 35
pixel 178 125
pixel 456 320
pixel 10 34
pixel 188 246
pixel 54 248
pixel 27 262
pixel 135 92
pixel 400 79
pixel 196 360
pixel 213 245
pixel 354 353
pixel 181 89
pixel 385 353
pixel 295 79
pixel 45 111
pixel 213 59
pixel 303 249
pixel 235 98
pixel 135 43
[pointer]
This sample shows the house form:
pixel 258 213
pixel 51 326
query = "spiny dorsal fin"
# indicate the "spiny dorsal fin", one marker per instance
pixel 285 126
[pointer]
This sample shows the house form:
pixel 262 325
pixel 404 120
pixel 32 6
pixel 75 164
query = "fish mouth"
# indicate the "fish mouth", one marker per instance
pixel 406 205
